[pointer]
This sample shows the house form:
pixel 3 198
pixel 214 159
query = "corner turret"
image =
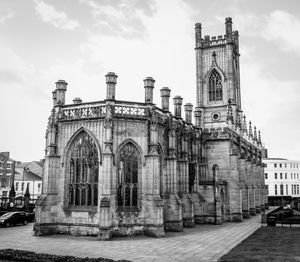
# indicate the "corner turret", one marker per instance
pixel 59 93
pixel 149 86
pixel 111 81
pixel 177 105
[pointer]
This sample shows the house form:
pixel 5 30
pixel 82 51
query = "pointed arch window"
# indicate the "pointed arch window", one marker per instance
pixel 215 91
pixel 83 172
pixel 128 169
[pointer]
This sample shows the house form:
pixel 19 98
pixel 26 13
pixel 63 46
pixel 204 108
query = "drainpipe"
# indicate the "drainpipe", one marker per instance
pixel 215 177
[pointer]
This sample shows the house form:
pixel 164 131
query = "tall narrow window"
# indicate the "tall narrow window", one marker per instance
pixel 292 187
pixel 275 190
pixel 215 92
pixel 128 178
pixel 192 176
pixel 281 189
pixel 83 172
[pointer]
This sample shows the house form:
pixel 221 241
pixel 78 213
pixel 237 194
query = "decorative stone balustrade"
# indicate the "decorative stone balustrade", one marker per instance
pixel 129 110
pixel 71 112
pixel 88 111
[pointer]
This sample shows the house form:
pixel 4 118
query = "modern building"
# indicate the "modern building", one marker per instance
pixel 116 167
pixel 282 178
pixel 28 174
pixel 6 175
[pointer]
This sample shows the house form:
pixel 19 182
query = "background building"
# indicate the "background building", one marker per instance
pixel 28 174
pixel 6 175
pixel 282 178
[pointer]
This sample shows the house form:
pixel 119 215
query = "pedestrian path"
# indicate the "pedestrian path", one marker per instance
pixel 202 243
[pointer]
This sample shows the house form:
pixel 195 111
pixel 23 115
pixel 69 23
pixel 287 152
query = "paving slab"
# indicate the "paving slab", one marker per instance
pixel 202 243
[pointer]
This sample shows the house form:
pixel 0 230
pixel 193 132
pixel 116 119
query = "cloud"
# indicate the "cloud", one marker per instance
pixel 241 22
pixel 122 17
pixel 18 75
pixel 271 105
pixel 9 76
pixel 161 54
pixel 279 27
pixel 4 18
pixel 282 28
pixel 14 65
pixel 50 15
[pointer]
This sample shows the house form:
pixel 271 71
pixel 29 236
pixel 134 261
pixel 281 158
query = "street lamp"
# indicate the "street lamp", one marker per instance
pixel 281 192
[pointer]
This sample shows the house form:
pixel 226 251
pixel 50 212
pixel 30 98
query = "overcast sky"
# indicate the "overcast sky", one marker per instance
pixel 42 41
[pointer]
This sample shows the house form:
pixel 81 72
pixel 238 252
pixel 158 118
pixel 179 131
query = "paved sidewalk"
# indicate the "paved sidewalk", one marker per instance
pixel 203 243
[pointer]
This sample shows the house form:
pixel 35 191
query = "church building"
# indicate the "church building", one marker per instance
pixel 118 168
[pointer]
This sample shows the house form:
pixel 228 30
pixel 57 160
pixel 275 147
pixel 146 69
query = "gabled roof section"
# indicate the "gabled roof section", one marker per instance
pixel 23 168
pixel 29 176
pixel 40 163
pixel 21 164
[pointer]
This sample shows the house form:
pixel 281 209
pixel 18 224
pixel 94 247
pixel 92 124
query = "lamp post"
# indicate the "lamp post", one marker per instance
pixel 281 193
pixel 282 205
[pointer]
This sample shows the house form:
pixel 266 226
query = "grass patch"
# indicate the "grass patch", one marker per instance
pixel 28 256
pixel 267 244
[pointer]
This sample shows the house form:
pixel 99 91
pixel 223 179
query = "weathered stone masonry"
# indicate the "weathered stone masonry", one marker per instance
pixel 115 168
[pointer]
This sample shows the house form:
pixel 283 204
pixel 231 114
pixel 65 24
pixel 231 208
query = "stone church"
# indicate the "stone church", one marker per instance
pixel 117 168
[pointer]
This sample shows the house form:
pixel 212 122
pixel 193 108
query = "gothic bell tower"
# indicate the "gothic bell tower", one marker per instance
pixel 218 78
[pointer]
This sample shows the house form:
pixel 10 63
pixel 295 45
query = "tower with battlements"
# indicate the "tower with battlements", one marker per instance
pixel 218 76
pixel 230 143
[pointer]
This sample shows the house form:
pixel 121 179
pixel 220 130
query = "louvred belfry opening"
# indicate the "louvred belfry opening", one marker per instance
pixel 215 87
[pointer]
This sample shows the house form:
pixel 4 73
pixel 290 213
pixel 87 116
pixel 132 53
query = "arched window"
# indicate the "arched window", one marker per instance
pixel 83 172
pixel 215 87
pixel 128 166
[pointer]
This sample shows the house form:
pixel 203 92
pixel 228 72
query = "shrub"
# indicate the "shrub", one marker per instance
pixel 28 256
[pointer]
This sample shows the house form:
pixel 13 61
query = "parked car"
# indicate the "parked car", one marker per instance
pixel 30 216
pixel 13 218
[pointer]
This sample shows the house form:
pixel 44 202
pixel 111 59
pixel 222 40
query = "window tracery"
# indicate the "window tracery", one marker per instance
pixel 128 177
pixel 83 172
pixel 215 87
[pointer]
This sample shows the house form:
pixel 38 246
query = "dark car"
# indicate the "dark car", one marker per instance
pixel 13 218
pixel 30 216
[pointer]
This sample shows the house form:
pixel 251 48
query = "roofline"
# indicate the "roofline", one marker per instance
pixel 274 158
pixel 280 159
